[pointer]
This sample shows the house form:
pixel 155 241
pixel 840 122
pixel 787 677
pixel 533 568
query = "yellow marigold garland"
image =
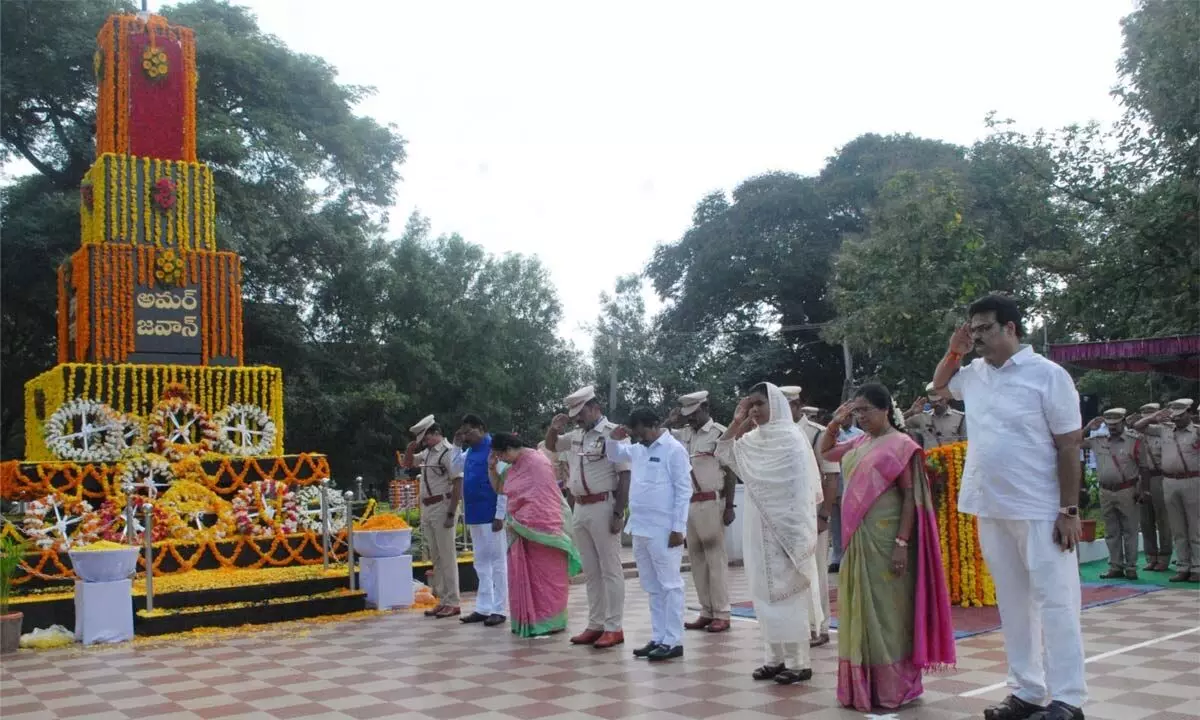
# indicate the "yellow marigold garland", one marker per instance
pixel 970 583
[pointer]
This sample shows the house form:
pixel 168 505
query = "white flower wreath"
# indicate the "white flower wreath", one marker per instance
pixel 149 475
pixel 84 431
pixel 244 430
pixel 56 532
pixel 133 434
pixel 309 499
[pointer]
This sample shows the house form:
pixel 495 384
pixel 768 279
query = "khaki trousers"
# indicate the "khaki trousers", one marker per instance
pixel 1183 508
pixel 1156 529
pixel 600 550
pixel 1121 515
pixel 707 556
pixel 822 555
pixel 442 552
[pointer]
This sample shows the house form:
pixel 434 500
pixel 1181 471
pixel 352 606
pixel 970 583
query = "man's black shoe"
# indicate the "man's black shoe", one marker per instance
pixel 645 650
pixel 494 620
pixel 662 652
pixel 1058 711
pixel 1012 708
pixel 473 618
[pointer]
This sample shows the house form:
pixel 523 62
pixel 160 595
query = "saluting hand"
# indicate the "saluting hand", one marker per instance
pixel 743 410
pixel 619 433
pixel 961 342
pixel 841 416
pixel 559 422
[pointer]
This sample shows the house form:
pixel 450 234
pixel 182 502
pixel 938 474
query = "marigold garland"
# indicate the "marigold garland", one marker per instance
pixel 104 277
pixel 170 211
pixel 70 380
pixel 96 481
pixel 970 583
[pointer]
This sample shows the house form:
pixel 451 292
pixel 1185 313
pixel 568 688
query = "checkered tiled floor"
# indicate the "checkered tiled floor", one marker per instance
pixel 403 665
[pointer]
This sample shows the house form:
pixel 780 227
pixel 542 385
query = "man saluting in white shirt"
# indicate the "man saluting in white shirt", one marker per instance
pixel 660 490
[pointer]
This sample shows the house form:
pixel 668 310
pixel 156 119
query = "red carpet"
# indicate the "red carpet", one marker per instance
pixel 977 620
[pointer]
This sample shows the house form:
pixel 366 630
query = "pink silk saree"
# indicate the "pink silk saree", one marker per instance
pixel 541 556
pixel 891 628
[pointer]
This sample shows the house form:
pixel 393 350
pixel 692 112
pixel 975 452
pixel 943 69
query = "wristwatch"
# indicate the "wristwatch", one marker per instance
pixel 1069 511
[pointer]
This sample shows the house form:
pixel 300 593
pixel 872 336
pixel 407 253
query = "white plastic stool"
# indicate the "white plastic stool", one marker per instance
pixel 388 581
pixel 103 611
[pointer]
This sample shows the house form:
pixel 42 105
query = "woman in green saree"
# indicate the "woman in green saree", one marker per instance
pixel 893 604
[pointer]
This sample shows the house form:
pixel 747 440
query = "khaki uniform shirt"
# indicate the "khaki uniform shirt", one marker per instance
pixel 937 430
pixel 592 472
pixel 1150 453
pixel 707 472
pixel 1180 449
pixel 440 465
pixel 814 432
pixel 1116 459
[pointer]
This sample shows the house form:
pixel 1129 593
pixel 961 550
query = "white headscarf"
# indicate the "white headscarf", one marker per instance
pixel 783 481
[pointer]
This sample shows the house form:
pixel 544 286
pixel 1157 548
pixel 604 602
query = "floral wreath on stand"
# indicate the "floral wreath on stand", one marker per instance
pixel 191 500
pixel 133 434
pixel 48 522
pixel 110 521
pixel 97 439
pixel 172 423
pixel 244 430
pixel 266 508
pixel 309 498
pixel 148 474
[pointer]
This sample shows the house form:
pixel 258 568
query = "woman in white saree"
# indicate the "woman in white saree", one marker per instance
pixel 769 453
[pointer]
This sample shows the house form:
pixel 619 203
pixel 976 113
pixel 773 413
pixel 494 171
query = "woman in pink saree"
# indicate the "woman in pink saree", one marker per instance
pixel 541 556
pixel 893 605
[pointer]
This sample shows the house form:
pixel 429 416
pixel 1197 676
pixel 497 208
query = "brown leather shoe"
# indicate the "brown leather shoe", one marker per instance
pixel 718 625
pixel 610 639
pixel 1112 575
pixel 431 612
pixel 1194 577
pixel 449 611
pixel 1181 576
pixel 698 624
pixel 587 637
pixel 1160 567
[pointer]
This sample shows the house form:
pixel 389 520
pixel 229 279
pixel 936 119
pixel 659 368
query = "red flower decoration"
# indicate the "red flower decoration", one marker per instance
pixel 85 190
pixel 164 194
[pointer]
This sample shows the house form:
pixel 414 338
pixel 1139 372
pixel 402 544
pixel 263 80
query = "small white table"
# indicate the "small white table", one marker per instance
pixel 103 611
pixel 388 581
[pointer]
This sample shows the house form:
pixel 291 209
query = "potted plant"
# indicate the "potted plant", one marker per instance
pixel 1090 495
pixel 11 552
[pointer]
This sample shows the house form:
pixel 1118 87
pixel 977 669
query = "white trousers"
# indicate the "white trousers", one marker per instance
pixel 820 625
pixel 1037 589
pixel 491 566
pixel 659 571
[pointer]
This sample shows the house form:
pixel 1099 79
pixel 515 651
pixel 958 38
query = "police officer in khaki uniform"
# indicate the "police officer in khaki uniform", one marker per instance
pixel 830 475
pixel 710 511
pixel 1156 529
pixel 1119 476
pixel 1180 439
pixel 440 467
pixel 941 424
pixel 599 489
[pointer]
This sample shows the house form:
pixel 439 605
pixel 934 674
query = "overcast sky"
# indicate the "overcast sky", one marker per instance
pixel 587 132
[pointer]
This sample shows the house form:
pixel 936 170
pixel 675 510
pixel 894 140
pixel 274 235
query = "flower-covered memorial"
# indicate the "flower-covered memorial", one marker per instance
pixel 967 576
pixel 150 391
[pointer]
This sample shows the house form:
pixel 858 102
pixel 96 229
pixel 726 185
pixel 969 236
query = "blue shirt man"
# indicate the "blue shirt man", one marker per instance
pixel 484 512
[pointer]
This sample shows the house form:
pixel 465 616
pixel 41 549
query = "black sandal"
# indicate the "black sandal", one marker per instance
pixel 766 672
pixel 791 677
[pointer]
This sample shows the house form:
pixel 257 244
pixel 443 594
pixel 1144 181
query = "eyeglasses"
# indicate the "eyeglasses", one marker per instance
pixel 984 328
